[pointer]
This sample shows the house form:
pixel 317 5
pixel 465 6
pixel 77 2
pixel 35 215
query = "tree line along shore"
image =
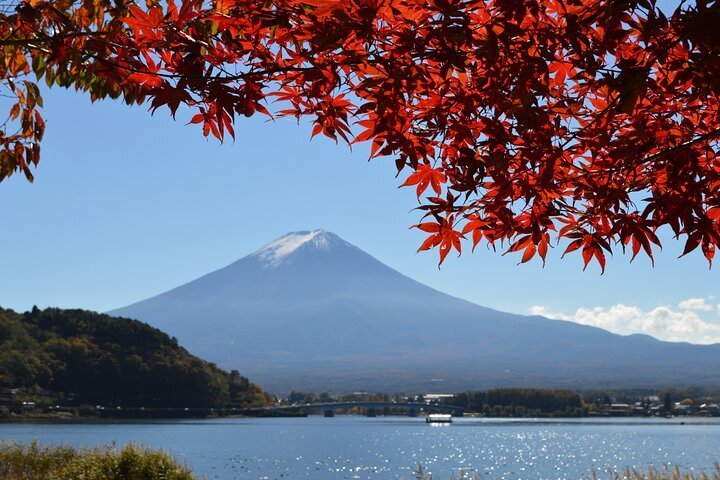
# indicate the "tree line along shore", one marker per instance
pixel 541 402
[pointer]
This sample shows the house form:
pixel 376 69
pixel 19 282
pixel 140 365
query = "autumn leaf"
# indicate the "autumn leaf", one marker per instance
pixel 148 79
pixel 324 7
pixel 632 83
pixel 426 176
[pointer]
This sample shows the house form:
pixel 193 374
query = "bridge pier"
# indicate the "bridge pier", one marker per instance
pixel 328 413
pixel 371 412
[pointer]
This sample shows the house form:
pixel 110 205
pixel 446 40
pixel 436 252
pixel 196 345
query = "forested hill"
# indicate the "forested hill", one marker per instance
pixel 109 360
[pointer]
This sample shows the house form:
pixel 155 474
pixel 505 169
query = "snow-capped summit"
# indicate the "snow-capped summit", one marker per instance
pixel 276 251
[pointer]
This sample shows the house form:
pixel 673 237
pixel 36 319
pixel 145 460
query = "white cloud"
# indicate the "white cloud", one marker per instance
pixel 681 324
pixel 540 310
pixel 696 304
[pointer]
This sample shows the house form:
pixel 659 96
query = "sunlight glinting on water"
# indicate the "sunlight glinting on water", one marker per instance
pixel 393 447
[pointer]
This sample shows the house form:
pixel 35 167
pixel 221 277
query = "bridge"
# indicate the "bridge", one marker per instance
pixel 371 408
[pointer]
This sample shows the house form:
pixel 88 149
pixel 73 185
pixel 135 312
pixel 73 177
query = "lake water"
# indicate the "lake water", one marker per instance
pixel 391 447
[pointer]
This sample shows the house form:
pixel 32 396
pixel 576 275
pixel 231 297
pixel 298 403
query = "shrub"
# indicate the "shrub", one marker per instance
pixel 132 462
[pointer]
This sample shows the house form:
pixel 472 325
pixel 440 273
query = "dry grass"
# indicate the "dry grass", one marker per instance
pixel 33 462
pixel 665 473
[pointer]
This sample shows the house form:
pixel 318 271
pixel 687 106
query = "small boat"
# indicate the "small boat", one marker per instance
pixel 438 418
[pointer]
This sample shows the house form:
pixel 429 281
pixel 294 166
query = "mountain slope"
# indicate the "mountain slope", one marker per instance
pixel 310 310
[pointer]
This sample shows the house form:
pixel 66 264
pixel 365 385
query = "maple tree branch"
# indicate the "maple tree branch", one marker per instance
pixel 705 137
pixel 175 76
pixel 30 42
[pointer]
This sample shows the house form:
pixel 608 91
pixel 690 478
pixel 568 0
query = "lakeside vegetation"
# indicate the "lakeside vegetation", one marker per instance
pixel 543 402
pixel 521 402
pixel 132 462
pixel 69 358
pixel 665 473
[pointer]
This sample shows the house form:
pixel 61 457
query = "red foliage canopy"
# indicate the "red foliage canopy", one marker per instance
pixel 588 122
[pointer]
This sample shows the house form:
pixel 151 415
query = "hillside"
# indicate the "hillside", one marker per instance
pixel 106 360
pixel 311 311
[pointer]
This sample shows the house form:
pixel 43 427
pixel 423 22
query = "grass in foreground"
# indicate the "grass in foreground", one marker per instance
pixel 18 462
pixel 665 473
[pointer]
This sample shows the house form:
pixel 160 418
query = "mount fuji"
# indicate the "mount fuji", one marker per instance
pixel 311 311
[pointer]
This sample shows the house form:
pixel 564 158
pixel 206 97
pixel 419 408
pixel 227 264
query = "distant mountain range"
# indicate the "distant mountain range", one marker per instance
pixel 310 311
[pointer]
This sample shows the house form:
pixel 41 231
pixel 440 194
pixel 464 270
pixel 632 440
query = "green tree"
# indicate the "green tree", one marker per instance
pixel 667 403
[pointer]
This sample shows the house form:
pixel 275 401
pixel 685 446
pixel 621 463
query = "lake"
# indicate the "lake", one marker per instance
pixel 392 447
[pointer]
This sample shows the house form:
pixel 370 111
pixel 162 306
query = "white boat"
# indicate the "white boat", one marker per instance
pixel 438 418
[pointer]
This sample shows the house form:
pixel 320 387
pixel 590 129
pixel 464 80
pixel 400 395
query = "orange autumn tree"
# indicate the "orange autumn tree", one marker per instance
pixel 524 123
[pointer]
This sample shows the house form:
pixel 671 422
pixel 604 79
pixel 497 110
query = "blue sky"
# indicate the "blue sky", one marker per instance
pixel 126 205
